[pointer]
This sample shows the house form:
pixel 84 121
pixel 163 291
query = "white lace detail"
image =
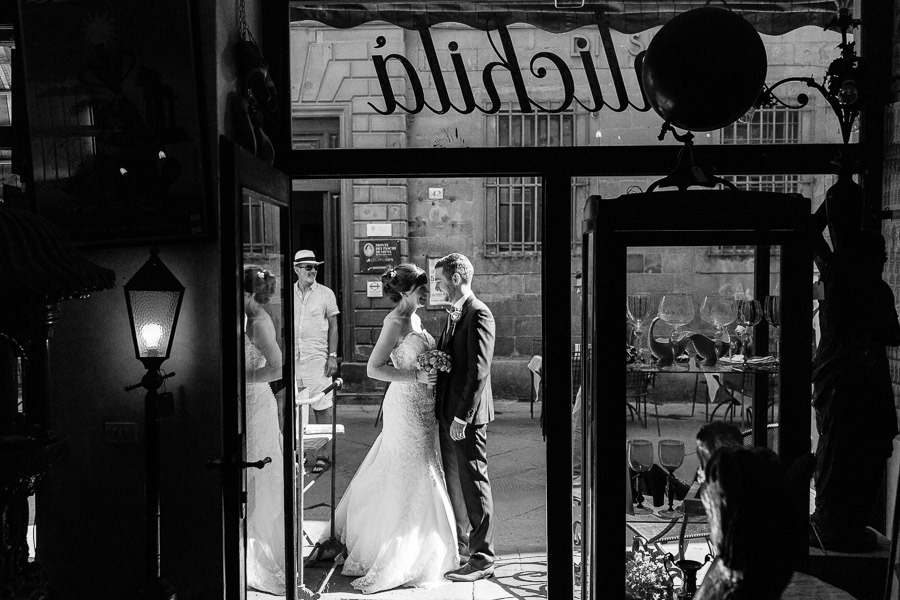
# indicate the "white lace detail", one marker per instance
pixel 395 517
pixel 265 487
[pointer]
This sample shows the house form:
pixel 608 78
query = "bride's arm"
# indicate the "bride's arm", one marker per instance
pixel 378 367
pixel 262 333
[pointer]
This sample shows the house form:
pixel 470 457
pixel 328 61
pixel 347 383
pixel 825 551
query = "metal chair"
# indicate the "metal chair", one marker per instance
pixel 698 379
pixel 637 384
pixel 737 388
pixel 734 389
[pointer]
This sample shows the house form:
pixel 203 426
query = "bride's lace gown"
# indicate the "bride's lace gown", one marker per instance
pixel 395 517
pixel 265 487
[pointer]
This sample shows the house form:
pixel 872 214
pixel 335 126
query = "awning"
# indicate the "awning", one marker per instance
pixel 39 263
pixel 771 17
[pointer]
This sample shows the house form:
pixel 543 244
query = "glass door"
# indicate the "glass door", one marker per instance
pixel 260 468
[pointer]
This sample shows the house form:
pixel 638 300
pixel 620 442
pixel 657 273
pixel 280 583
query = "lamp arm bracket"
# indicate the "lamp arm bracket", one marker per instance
pixel 151 381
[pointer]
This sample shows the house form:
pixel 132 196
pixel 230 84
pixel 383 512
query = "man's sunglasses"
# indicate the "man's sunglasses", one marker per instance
pixel 309 267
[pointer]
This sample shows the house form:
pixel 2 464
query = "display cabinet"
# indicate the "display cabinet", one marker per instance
pixel 679 237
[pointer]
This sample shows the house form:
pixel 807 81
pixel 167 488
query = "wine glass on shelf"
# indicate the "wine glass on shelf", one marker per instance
pixel 677 310
pixel 749 314
pixel 773 316
pixel 720 312
pixel 640 458
pixel 671 456
pixel 638 307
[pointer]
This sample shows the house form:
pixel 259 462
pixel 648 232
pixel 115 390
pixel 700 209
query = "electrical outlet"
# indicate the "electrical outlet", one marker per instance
pixel 120 434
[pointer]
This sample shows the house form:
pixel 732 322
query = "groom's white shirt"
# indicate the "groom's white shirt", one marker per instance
pixel 458 306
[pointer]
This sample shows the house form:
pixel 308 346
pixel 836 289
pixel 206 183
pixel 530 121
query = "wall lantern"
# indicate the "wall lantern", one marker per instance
pixel 153 297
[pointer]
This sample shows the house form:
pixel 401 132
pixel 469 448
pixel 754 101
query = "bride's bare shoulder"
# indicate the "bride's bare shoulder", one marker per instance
pixel 396 320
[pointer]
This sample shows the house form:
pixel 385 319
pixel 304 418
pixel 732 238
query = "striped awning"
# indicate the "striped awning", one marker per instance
pixel 771 17
pixel 39 263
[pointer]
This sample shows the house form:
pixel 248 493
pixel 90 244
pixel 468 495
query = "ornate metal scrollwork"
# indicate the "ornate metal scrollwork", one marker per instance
pixel 842 87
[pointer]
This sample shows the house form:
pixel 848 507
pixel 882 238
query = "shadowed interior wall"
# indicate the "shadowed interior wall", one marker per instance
pixel 90 511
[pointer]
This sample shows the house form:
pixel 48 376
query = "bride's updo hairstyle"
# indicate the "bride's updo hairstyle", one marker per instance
pixel 402 278
pixel 260 283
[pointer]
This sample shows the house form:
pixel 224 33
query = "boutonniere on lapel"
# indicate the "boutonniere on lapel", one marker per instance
pixel 455 315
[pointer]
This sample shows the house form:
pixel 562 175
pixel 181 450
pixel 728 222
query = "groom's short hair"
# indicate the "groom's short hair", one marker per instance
pixel 456 263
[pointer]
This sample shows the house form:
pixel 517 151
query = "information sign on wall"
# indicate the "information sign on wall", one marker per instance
pixel 374 289
pixel 376 255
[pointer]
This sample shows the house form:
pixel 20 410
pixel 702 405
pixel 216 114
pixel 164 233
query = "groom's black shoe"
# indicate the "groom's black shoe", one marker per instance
pixel 463 559
pixel 468 572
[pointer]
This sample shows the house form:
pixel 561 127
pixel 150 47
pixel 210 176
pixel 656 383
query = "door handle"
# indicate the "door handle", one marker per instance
pixel 218 463
pixel 258 464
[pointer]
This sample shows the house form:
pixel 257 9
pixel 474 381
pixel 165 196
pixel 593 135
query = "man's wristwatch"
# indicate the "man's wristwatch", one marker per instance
pixel 332 355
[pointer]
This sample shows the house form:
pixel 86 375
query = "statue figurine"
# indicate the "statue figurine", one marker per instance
pixel 852 394
pixel 738 483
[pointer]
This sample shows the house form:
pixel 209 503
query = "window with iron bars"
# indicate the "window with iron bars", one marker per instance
pixel 784 184
pixel 261 232
pixel 513 204
pixel 776 125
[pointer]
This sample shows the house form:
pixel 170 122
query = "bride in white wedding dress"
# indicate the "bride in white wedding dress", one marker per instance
pixel 265 487
pixel 395 518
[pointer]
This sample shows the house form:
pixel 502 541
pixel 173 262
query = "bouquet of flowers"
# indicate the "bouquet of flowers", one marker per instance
pixel 434 361
pixel 646 574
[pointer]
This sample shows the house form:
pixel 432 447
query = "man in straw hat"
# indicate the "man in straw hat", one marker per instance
pixel 315 339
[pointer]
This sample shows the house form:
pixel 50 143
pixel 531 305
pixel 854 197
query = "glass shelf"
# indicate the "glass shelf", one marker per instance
pixel 719 367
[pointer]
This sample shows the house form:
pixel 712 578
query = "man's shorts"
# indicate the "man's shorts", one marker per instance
pixel 310 373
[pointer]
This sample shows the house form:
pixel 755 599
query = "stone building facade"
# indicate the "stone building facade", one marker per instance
pixel 334 79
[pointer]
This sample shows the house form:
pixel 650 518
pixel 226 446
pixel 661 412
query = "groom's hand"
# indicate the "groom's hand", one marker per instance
pixel 457 430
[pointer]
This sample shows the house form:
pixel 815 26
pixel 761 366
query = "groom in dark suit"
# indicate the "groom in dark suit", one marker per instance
pixel 464 406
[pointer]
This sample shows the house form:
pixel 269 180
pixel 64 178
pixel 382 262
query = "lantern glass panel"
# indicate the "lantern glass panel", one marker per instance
pixel 153 316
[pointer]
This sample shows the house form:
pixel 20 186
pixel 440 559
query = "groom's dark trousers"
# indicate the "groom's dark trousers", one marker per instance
pixel 465 469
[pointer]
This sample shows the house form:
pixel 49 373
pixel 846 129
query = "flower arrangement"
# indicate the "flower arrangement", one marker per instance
pixel 434 361
pixel 646 574
pixel 631 355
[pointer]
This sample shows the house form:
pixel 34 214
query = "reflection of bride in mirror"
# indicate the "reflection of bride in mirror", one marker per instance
pixel 265 487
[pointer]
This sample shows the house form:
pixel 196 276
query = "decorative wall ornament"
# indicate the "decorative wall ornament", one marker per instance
pixel 115 121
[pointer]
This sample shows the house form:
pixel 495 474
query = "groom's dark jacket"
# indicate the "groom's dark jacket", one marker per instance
pixel 465 391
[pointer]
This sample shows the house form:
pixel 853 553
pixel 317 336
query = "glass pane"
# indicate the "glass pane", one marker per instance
pixel 504 225
pixel 373 71
pixel 516 131
pixel 517 214
pixel 568 130
pixel 510 285
pixel 530 123
pixel 265 352
pixel 543 125
pixel 554 131
pixel 528 208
